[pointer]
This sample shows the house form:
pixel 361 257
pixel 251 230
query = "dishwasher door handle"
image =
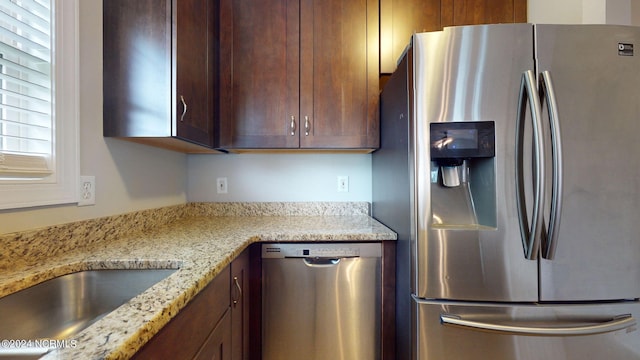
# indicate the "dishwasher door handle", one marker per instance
pixel 321 262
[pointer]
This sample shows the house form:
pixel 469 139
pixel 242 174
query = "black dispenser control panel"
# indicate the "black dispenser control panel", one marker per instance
pixel 462 140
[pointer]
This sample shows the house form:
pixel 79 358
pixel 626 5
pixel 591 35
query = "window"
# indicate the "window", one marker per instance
pixel 38 102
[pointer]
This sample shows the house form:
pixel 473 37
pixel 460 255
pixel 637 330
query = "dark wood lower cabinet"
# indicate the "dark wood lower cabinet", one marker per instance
pixel 184 335
pixel 219 343
pixel 216 323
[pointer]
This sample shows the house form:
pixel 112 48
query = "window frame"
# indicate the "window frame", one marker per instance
pixel 61 187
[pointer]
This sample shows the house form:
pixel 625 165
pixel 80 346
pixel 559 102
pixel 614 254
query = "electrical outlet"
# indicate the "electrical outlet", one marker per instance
pixel 343 184
pixel 87 191
pixel 221 185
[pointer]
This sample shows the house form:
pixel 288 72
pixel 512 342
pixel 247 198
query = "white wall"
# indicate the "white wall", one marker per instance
pixel 554 11
pixel 129 176
pixel 279 177
pixel 635 13
pixel 619 12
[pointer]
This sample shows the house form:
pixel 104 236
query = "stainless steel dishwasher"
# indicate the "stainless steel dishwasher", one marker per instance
pixel 321 301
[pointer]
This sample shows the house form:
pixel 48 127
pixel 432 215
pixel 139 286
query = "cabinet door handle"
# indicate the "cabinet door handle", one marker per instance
pixel 293 125
pixel 238 294
pixel 184 108
pixel 307 126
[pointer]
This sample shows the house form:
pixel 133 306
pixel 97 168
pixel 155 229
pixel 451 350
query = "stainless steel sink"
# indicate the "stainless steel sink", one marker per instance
pixel 63 306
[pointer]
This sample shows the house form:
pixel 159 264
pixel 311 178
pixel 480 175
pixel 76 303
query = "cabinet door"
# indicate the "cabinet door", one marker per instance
pixel 339 74
pixel 240 304
pixel 259 73
pixel 194 70
pixel 218 344
pixel 137 68
pixel 399 19
pixel 471 12
pixel 185 334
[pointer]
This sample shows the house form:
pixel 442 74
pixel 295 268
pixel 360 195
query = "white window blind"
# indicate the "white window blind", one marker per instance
pixel 38 102
pixel 26 122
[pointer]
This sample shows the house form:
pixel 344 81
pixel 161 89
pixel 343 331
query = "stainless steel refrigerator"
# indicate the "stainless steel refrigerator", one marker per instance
pixel 510 168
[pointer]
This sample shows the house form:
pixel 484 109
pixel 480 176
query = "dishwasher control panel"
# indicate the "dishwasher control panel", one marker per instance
pixel 323 250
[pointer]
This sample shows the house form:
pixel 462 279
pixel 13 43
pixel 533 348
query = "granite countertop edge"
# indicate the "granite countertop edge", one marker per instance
pixel 199 244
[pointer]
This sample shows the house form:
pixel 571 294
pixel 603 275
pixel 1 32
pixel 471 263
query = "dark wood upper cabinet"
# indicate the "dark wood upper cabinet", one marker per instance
pixel 399 19
pixel 160 67
pixel 339 74
pixel 260 72
pixel 199 75
pixel 473 12
pixel 299 74
pixel 195 66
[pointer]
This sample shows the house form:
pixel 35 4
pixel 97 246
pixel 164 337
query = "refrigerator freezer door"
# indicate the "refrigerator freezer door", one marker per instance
pixel 595 73
pixel 562 332
pixel 470 73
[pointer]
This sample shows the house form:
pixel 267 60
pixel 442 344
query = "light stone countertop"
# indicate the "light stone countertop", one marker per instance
pixel 200 241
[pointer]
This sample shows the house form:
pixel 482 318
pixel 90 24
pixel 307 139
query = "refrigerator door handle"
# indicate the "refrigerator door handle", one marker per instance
pixel 617 323
pixel 547 93
pixel 531 235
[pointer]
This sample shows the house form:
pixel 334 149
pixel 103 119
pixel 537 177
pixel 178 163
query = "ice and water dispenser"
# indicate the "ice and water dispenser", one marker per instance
pixel 463 186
